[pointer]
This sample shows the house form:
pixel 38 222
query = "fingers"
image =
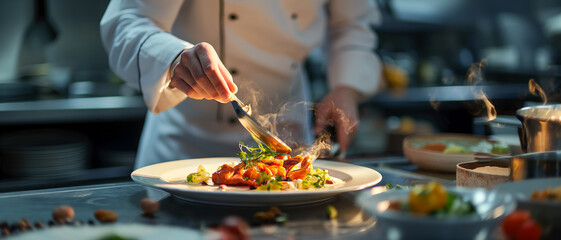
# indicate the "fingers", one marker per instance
pixel 340 112
pixel 346 130
pixel 203 74
pixel 323 115
pixel 179 80
pixel 214 80
pixel 229 80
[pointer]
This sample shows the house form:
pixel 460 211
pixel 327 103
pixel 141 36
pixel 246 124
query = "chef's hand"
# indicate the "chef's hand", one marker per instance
pixel 199 73
pixel 340 109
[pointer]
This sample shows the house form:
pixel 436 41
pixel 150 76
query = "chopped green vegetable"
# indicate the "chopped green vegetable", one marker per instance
pixel 390 186
pixel 263 179
pixel 272 185
pixel 455 148
pixel 331 212
pixel 500 147
pixel 200 176
pixel 250 155
pixel 315 179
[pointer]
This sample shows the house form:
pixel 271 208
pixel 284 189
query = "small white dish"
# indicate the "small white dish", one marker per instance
pixel 490 206
pixel 171 177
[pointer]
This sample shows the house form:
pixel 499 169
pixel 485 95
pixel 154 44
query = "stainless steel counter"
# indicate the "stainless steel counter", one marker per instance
pixel 304 222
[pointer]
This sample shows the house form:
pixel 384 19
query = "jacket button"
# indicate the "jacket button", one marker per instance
pixel 233 16
pixel 232 120
pixel 234 71
pixel 294 16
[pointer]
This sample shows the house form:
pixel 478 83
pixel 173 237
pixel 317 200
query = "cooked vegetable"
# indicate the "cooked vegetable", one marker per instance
pixel 431 199
pixel 390 186
pixel 464 147
pixel 200 176
pixel 331 212
pixel 250 155
pixel 427 198
pixel 547 194
pixel 315 179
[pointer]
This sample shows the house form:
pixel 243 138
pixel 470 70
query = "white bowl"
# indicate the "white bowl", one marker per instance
pixel 548 212
pixel 436 160
pixel 491 207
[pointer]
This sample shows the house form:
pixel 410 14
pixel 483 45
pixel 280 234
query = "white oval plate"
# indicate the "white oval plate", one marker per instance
pixel 171 177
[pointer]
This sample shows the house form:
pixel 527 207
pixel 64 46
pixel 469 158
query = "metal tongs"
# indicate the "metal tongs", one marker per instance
pixel 255 129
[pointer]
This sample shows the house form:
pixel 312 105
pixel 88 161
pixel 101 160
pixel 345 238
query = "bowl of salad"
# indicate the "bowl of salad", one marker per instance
pixel 442 152
pixel 433 211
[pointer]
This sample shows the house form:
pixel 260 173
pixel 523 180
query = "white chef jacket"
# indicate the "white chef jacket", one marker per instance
pixel 262 42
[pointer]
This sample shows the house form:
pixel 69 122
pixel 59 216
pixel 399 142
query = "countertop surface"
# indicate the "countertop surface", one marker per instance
pixel 304 221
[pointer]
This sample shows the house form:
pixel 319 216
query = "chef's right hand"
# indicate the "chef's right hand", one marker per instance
pixel 199 73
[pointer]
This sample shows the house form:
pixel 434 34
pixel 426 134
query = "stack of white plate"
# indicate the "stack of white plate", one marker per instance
pixel 44 154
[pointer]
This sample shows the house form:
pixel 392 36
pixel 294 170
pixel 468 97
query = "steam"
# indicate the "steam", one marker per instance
pixel 536 90
pixel 433 103
pixel 475 72
pixel 321 147
pixel 476 76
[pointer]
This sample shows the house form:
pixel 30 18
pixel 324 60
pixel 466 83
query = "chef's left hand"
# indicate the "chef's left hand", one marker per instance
pixel 340 109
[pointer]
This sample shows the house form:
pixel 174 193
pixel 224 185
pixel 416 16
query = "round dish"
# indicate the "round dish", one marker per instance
pixel 549 212
pixel 468 175
pixel 437 160
pixel 171 177
pixel 491 208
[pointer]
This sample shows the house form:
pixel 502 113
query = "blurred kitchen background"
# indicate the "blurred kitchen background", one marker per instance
pixel 66 119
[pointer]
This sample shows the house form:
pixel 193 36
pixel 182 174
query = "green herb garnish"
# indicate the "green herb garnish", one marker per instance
pixel 250 155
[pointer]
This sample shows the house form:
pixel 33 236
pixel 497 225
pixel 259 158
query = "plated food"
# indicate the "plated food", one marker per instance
pixel 432 199
pixel 442 152
pixel 433 211
pixel 171 177
pixel 264 169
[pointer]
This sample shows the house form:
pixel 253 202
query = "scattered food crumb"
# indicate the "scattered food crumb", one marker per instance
pixel 106 216
pixel 62 213
pixel 149 206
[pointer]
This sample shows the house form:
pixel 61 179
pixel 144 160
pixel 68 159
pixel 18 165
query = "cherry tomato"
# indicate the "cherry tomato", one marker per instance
pixel 530 230
pixel 514 221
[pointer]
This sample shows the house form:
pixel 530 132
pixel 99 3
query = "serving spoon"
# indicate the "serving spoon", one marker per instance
pixel 255 129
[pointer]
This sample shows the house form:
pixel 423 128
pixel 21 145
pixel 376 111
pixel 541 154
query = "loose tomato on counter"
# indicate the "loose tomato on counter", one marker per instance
pixel 427 198
pixel 519 225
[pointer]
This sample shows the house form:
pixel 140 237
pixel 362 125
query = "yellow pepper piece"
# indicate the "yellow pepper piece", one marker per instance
pixel 427 198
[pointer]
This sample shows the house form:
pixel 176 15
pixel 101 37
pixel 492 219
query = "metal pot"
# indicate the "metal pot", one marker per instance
pixel 541 128
pixel 535 165
pixel 527 165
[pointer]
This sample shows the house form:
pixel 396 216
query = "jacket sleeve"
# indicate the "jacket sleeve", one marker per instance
pixel 352 60
pixel 136 36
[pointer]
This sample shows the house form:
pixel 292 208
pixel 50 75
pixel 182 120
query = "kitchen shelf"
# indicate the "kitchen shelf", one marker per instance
pixel 72 110
pixel 449 94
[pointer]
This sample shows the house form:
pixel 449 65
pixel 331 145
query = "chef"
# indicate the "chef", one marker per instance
pixel 188 57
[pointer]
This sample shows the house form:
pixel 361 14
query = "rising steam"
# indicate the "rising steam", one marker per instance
pixel 536 90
